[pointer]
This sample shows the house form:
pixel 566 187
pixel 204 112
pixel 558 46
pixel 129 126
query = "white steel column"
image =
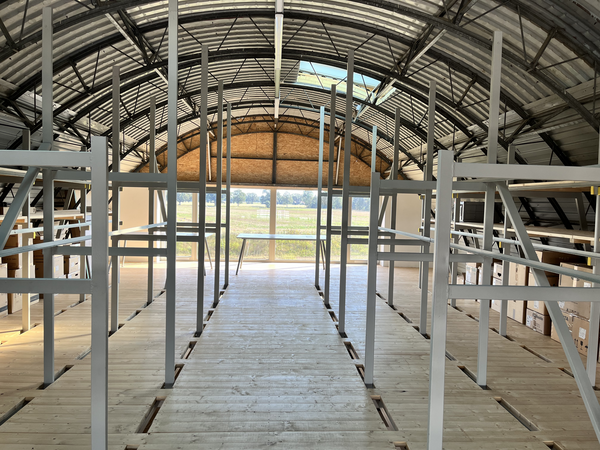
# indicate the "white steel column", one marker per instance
pixel 454 265
pixel 99 376
pixel 394 199
pixel 372 279
pixel 507 249
pixel 427 208
pixel 48 187
pixel 202 190
pixel 594 307
pixel 441 260
pixel 217 280
pixel 116 203
pixel 330 163
pixel 27 238
pixel 319 198
pixel 488 215
pixel 227 197
pixel 171 296
pixel 346 193
pixel 151 195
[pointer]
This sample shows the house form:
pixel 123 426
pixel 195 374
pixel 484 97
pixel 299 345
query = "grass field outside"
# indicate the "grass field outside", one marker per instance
pixel 291 219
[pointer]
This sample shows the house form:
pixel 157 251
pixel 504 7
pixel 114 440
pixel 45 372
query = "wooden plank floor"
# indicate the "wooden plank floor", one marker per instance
pixel 270 371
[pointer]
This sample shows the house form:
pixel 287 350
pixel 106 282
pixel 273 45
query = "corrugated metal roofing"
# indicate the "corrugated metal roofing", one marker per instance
pixel 92 36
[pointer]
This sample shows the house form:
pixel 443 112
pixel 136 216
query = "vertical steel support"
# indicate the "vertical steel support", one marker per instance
pixel 346 193
pixel 172 198
pixel 441 260
pixel 48 186
pixel 202 190
pixel 508 249
pixel 372 279
pixel 151 196
pixel 579 373
pixel 594 307
pixel 427 207
pixel 454 265
pixel 99 290
pixel 488 215
pixel 217 280
pixel 330 163
pixel 319 197
pixel 27 238
pixel 227 197
pixel 394 208
pixel 116 197
pixel 83 230
pixel 47 76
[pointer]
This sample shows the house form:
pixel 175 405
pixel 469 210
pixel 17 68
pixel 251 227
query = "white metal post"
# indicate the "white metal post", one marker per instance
pixel 116 166
pixel 394 208
pixel 171 285
pixel 330 163
pixel 346 193
pixel 441 260
pixel 202 190
pixel 27 238
pixel 319 198
pixel 507 249
pixel 99 288
pixel 427 207
pixel 48 186
pixel 454 265
pixel 151 195
pixel 217 280
pixel 488 215
pixel 372 279
pixel 228 197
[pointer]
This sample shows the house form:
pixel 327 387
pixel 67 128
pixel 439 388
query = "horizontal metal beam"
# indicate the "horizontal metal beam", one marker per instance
pixel 524 293
pixel 54 285
pixel 45 158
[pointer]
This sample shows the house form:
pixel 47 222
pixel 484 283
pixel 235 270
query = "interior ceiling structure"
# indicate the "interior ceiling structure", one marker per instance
pixel 548 94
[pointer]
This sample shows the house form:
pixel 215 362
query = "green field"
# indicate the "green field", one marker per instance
pixel 291 219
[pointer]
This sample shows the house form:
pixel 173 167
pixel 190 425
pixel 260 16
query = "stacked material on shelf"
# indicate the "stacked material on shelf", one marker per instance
pixel 576 314
pixel 537 317
pixel 518 276
pixel 71 266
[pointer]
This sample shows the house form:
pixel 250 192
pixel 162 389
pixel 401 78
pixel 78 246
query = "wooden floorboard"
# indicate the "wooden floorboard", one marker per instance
pixel 271 371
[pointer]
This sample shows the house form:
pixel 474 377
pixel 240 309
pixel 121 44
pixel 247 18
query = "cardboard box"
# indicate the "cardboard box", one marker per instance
pixel 518 275
pixel 3 304
pixel 15 303
pixel 73 275
pixel 18 273
pixel 579 328
pixel 538 306
pixel 471 273
pixel 552 279
pixel 581 309
pixel 556 258
pixel 538 322
pixel 516 310
pixel 497 271
pixel 71 264
pixel 3 271
pixel 14 262
pixel 58 266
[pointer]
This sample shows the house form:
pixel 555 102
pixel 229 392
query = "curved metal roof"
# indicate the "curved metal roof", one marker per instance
pixel 548 89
